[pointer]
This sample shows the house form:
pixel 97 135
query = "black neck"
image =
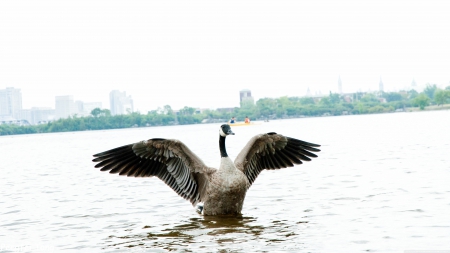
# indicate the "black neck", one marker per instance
pixel 223 151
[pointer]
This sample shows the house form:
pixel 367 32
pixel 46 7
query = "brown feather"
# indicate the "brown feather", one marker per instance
pixel 273 151
pixel 169 160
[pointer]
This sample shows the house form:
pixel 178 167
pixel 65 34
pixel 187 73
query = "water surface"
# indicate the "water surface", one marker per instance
pixel 380 184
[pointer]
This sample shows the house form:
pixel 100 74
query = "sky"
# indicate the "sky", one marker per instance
pixel 202 53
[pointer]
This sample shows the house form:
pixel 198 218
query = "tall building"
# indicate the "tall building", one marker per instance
pixel 120 103
pixel 64 106
pixel 308 92
pixel 38 115
pixel 381 85
pixel 340 85
pixel 10 102
pixel 246 96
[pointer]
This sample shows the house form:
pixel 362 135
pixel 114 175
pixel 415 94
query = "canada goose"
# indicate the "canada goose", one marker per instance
pixel 222 191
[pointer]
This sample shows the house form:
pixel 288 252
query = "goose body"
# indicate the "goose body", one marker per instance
pixel 222 191
pixel 226 190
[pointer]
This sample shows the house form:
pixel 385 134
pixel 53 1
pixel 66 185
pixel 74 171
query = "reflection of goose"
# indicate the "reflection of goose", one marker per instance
pixel 222 191
pixel 214 230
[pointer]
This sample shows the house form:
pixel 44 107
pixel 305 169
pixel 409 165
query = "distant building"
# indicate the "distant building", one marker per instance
pixel 120 103
pixel 340 85
pixel 64 106
pixel 11 121
pixel 316 96
pixel 348 97
pixel 84 109
pixel 382 100
pixel 38 115
pixel 246 96
pixel 413 84
pixel 381 85
pixel 10 102
pixel 308 93
pixel 79 108
pixel 88 107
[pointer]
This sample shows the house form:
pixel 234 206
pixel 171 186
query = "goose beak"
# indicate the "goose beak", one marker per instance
pixel 230 132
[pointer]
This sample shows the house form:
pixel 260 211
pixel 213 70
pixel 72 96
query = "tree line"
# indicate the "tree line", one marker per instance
pixel 263 109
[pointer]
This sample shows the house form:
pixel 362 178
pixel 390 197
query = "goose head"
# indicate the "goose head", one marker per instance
pixel 225 130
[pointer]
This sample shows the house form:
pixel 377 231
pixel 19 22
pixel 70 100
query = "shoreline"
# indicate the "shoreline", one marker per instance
pixel 407 110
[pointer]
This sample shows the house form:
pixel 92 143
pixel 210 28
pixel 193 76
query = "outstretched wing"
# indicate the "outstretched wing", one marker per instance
pixel 272 151
pixel 169 160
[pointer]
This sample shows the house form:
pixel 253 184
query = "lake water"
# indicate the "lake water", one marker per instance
pixel 380 184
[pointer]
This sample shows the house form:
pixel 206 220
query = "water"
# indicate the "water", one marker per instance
pixel 380 184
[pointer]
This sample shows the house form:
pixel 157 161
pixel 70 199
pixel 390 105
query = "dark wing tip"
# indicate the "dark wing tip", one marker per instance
pixel 303 143
pixel 158 139
pixel 313 144
pixel 113 151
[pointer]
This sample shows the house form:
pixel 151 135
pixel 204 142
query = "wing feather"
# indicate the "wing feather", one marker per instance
pixel 169 160
pixel 116 163
pixel 288 161
pixel 273 151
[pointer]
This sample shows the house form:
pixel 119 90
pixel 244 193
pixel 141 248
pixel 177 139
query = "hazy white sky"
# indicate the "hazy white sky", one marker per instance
pixel 202 53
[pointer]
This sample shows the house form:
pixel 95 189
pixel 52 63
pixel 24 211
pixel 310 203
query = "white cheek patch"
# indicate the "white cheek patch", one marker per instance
pixel 221 132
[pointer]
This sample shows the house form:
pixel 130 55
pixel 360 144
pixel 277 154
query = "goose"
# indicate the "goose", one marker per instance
pixel 216 191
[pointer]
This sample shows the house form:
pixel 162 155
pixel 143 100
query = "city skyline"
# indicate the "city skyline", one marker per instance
pixel 186 53
pixel 339 86
pixel 11 103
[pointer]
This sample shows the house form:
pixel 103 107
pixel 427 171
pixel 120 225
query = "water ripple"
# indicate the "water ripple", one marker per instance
pixel 379 185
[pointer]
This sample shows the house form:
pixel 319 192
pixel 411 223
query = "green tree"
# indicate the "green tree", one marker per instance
pixel 266 107
pixel 307 101
pixel 187 111
pixel 441 96
pixel 248 108
pixel 168 110
pixel 284 102
pixel 369 98
pixel 392 96
pixel 376 109
pixel 96 112
pixel 421 100
pixel 412 94
pixel 361 107
pixel 430 90
pixel 334 98
pixel 325 101
pixel 106 113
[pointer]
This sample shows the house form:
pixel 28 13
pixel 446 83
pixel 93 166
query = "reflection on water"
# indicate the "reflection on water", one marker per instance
pixel 220 232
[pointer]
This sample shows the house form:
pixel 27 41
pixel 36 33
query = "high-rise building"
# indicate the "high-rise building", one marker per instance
pixel 339 85
pixel 246 96
pixel 64 106
pixel 10 102
pixel 120 103
pixel 381 85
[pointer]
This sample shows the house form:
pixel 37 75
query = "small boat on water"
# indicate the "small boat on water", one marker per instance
pixel 244 124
